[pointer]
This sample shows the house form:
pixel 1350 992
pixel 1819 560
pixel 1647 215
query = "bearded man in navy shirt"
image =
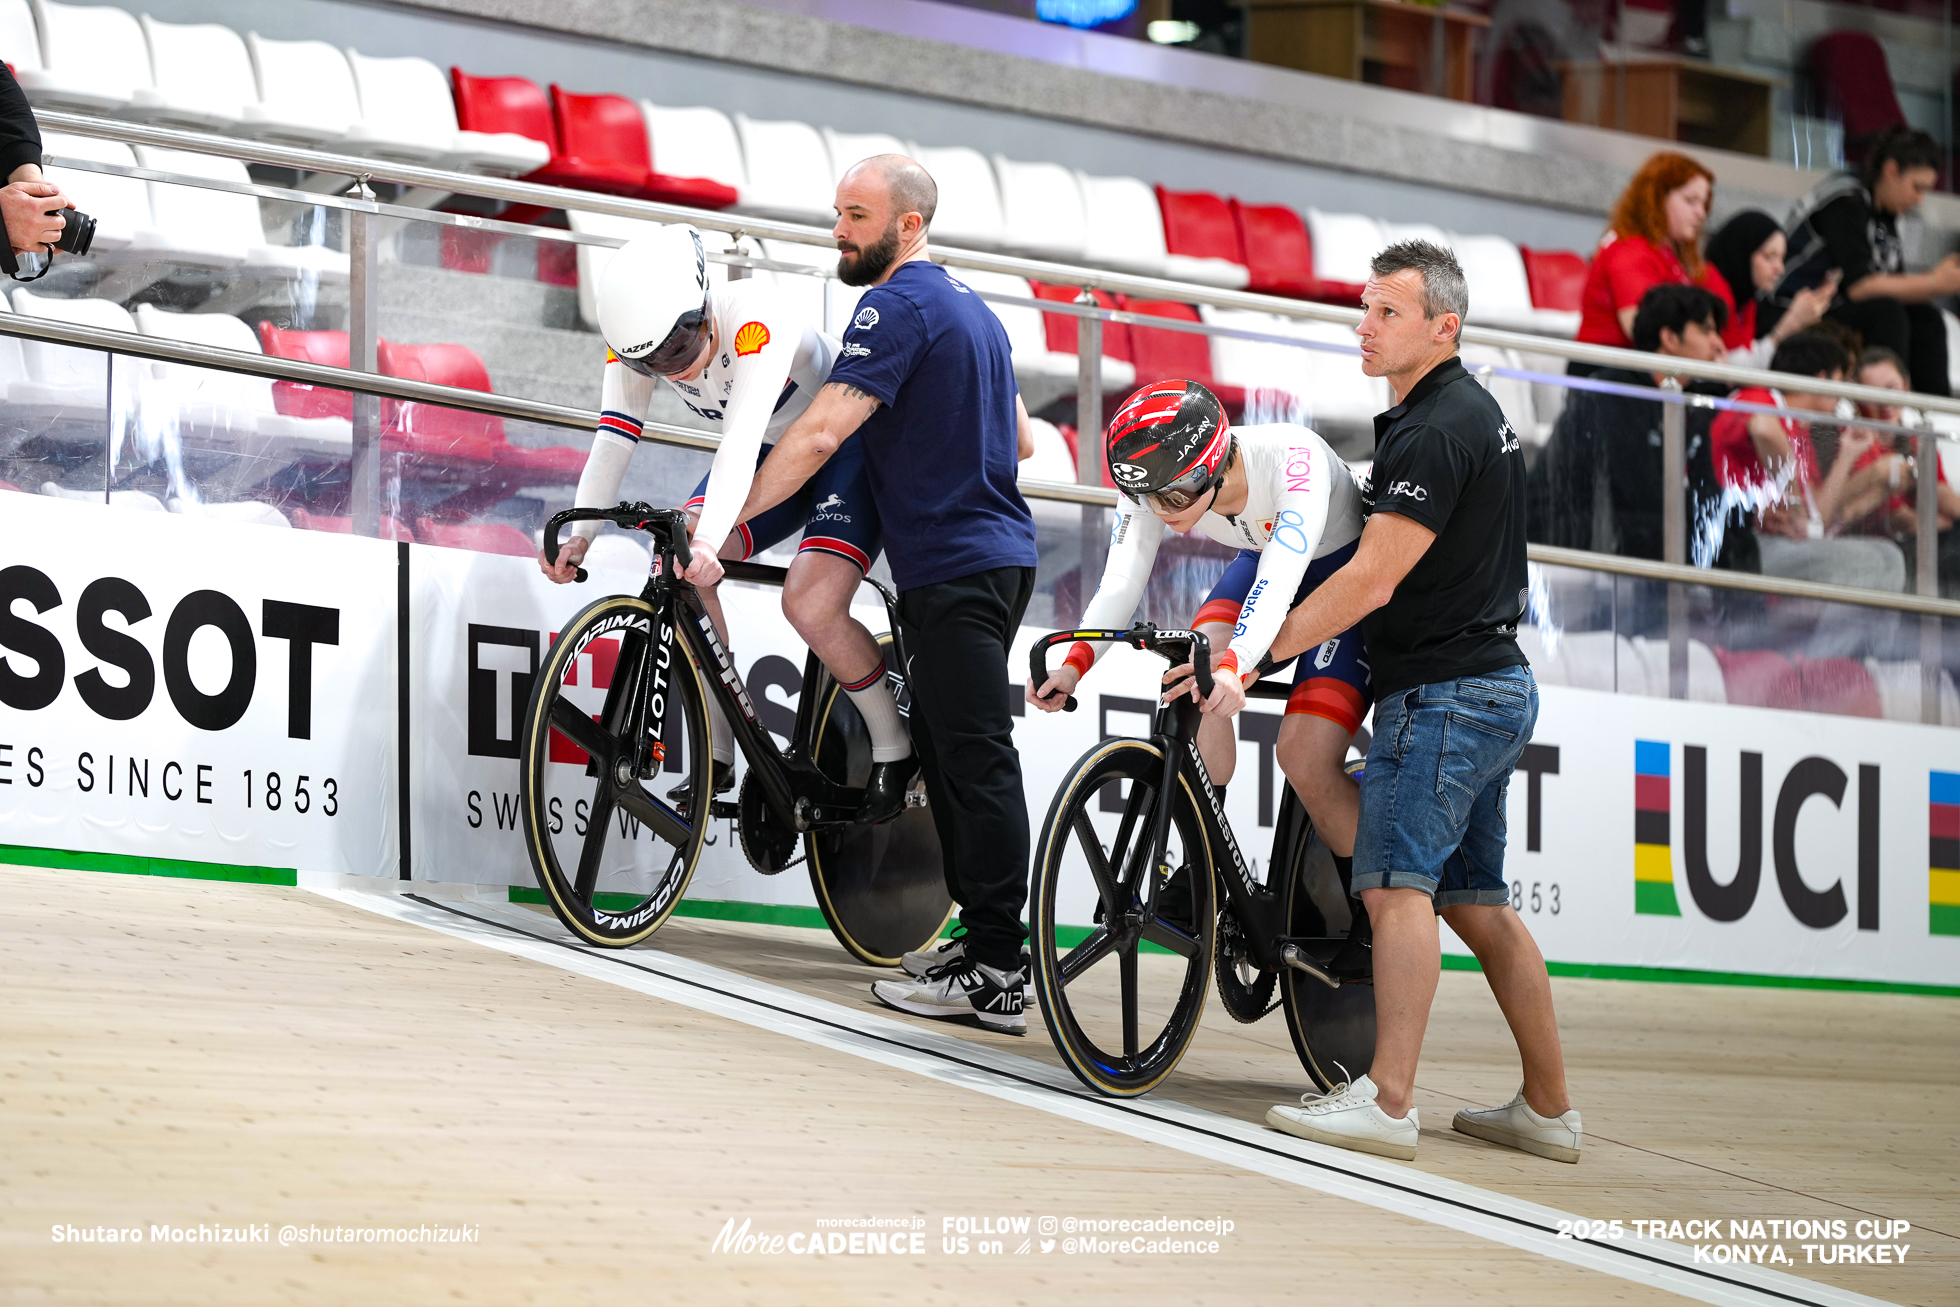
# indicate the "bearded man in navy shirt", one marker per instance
pixel 925 379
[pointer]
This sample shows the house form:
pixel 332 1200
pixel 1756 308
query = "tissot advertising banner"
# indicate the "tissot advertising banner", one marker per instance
pixel 176 688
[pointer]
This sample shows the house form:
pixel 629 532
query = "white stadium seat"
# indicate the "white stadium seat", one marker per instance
pixel 18 36
pixel 822 301
pixel 1041 204
pixel 63 381
pixel 227 418
pixel 93 58
pixel 1500 293
pixel 1255 364
pixel 788 171
pixel 119 205
pixel 306 92
pixel 969 197
pixel 847 148
pixel 1051 460
pixel 1343 243
pixel 696 142
pixel 1337 391
pixel 1512 395
pixel 399 119
pixel 13 367
pixel 1393 232
pixel 1123 226
pixel 202 75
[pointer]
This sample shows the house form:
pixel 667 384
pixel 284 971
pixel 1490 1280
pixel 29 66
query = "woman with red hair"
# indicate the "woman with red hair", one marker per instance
pixel 1654 238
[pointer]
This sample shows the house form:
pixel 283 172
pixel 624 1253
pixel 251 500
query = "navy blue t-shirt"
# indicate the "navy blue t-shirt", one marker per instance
pixel 942 449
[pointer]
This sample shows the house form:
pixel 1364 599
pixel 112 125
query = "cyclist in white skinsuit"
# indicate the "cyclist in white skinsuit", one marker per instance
pixel 736 355
pixel 1281 495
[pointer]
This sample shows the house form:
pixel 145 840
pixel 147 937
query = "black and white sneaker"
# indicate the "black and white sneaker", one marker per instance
pixel 920 961
pixel 962 990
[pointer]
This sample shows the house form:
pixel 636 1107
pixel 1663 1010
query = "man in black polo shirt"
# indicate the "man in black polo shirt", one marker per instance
pixel 1439 582
pixel 925 378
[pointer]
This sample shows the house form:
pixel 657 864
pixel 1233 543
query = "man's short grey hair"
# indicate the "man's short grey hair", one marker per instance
pixel 1443 287
pixel 912 188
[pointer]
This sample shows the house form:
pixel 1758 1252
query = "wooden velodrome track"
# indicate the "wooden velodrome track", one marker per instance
pixel 185 1053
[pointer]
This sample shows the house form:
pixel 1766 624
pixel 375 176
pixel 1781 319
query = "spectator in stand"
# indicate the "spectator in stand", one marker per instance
pixel 1849 225
pixel 1891 507
pixel 1770 463
pixel 1748 251
pixel 1615 438
pixel 30 205
pixel 1654 238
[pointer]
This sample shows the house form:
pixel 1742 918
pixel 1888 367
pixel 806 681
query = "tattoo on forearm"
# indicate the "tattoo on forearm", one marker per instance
pixel 853 392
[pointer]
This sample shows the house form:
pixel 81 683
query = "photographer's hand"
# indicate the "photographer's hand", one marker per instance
pixel 25 205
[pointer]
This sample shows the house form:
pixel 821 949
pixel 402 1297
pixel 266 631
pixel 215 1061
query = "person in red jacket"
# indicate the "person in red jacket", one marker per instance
pixel 1654 237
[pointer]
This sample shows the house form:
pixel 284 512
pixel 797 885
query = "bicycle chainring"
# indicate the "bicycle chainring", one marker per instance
pixel 766 842
pixel 1245 990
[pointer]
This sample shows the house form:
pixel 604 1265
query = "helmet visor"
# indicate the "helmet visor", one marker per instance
pixel 1180 494
pixel 677 353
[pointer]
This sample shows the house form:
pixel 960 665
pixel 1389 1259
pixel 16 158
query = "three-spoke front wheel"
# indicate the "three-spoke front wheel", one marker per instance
pixel 1122 987
pixel 601 744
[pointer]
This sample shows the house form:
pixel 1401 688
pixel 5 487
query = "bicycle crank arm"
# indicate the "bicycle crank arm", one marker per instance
pixel 1292 955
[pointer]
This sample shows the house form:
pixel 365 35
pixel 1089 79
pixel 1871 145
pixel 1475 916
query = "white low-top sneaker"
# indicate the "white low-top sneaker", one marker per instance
pixel 1348 1118
pixel 1515 1125
pixel 962 991
pixel 920 961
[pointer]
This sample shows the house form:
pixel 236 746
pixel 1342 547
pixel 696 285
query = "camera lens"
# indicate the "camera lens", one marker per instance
pixel 77 232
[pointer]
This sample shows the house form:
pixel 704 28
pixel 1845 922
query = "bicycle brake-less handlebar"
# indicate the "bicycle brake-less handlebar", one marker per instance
pixel 1175 646
pixel 667 526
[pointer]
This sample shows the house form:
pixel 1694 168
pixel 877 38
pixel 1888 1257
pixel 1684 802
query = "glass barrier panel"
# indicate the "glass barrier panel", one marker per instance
pixel 63 410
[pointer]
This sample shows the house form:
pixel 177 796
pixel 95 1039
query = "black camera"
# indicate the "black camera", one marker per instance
pixel 77 232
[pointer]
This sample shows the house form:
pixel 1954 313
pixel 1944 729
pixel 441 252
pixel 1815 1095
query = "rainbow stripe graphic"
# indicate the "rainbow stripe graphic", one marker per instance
pixel 1943 853
pixel 1653 853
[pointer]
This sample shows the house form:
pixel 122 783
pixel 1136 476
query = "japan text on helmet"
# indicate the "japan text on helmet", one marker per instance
pixel 1168 443
pixel 653 301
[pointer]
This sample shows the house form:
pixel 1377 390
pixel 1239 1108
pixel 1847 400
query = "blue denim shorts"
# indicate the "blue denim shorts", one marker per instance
pixel 1432 798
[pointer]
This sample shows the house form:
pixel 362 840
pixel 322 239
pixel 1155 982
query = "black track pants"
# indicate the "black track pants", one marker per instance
pixel 957 635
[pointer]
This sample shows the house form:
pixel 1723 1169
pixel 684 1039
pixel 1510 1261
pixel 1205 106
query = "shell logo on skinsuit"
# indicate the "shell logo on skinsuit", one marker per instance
pixel 750 337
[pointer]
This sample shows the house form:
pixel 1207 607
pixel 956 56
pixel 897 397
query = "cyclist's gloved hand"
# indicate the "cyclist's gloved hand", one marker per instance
pixel 570 555
pixel 1054 691
pixel 706 568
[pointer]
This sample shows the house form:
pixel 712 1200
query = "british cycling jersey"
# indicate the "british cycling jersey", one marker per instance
pixel 768 366
pixel 1302 503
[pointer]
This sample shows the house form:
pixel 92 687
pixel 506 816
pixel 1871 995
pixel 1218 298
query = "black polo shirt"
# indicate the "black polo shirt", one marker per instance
pixel 1446 458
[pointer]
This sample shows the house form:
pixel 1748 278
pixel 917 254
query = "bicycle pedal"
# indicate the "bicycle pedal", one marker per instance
pixel 722 809
pixel 915 798
pixel 1296 957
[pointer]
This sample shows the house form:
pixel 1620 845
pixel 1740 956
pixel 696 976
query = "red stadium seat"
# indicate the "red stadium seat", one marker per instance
pixel 327 348
pixel 598 142
pixel 604 138
pixel 1279 254
pixel 1061 327
pixel 1200 225
pixel 483 537
pixel 1851 76
pixel 306 521
pixel 1159 352
pixel 1761 678
pixel 1839 685
pixel 427 428
pixel 1557 277
pixel 8 485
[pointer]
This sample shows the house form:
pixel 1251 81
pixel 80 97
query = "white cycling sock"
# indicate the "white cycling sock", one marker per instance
pixel 890 741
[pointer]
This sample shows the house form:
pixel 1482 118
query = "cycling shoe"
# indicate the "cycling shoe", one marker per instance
pixel 683 794
pixel 884 793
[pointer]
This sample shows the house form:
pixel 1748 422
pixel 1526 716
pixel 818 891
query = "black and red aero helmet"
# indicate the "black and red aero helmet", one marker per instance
pixel 1169 434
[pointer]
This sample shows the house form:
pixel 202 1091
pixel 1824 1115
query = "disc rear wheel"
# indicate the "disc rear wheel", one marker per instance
pixel 881 888
pixel 1121 987
pixel 611 855
pixel 1333 1030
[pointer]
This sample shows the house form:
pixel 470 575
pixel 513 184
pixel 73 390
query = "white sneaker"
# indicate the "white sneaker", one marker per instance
pixel 920 961
pixel 962 991
pixel 1348 1118
pixel 1515 1125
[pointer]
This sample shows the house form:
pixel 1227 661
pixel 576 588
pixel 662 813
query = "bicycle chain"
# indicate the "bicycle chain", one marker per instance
pixel 1245 1003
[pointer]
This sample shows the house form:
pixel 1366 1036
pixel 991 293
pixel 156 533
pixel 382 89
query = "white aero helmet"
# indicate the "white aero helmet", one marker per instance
pixel 653 301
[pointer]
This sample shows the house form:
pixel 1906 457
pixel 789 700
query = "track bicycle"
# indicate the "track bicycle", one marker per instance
pixel 1103 912
pixel 620 702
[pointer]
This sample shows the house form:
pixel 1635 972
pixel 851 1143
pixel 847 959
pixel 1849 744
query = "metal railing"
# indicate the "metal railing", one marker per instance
pixel 425 185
